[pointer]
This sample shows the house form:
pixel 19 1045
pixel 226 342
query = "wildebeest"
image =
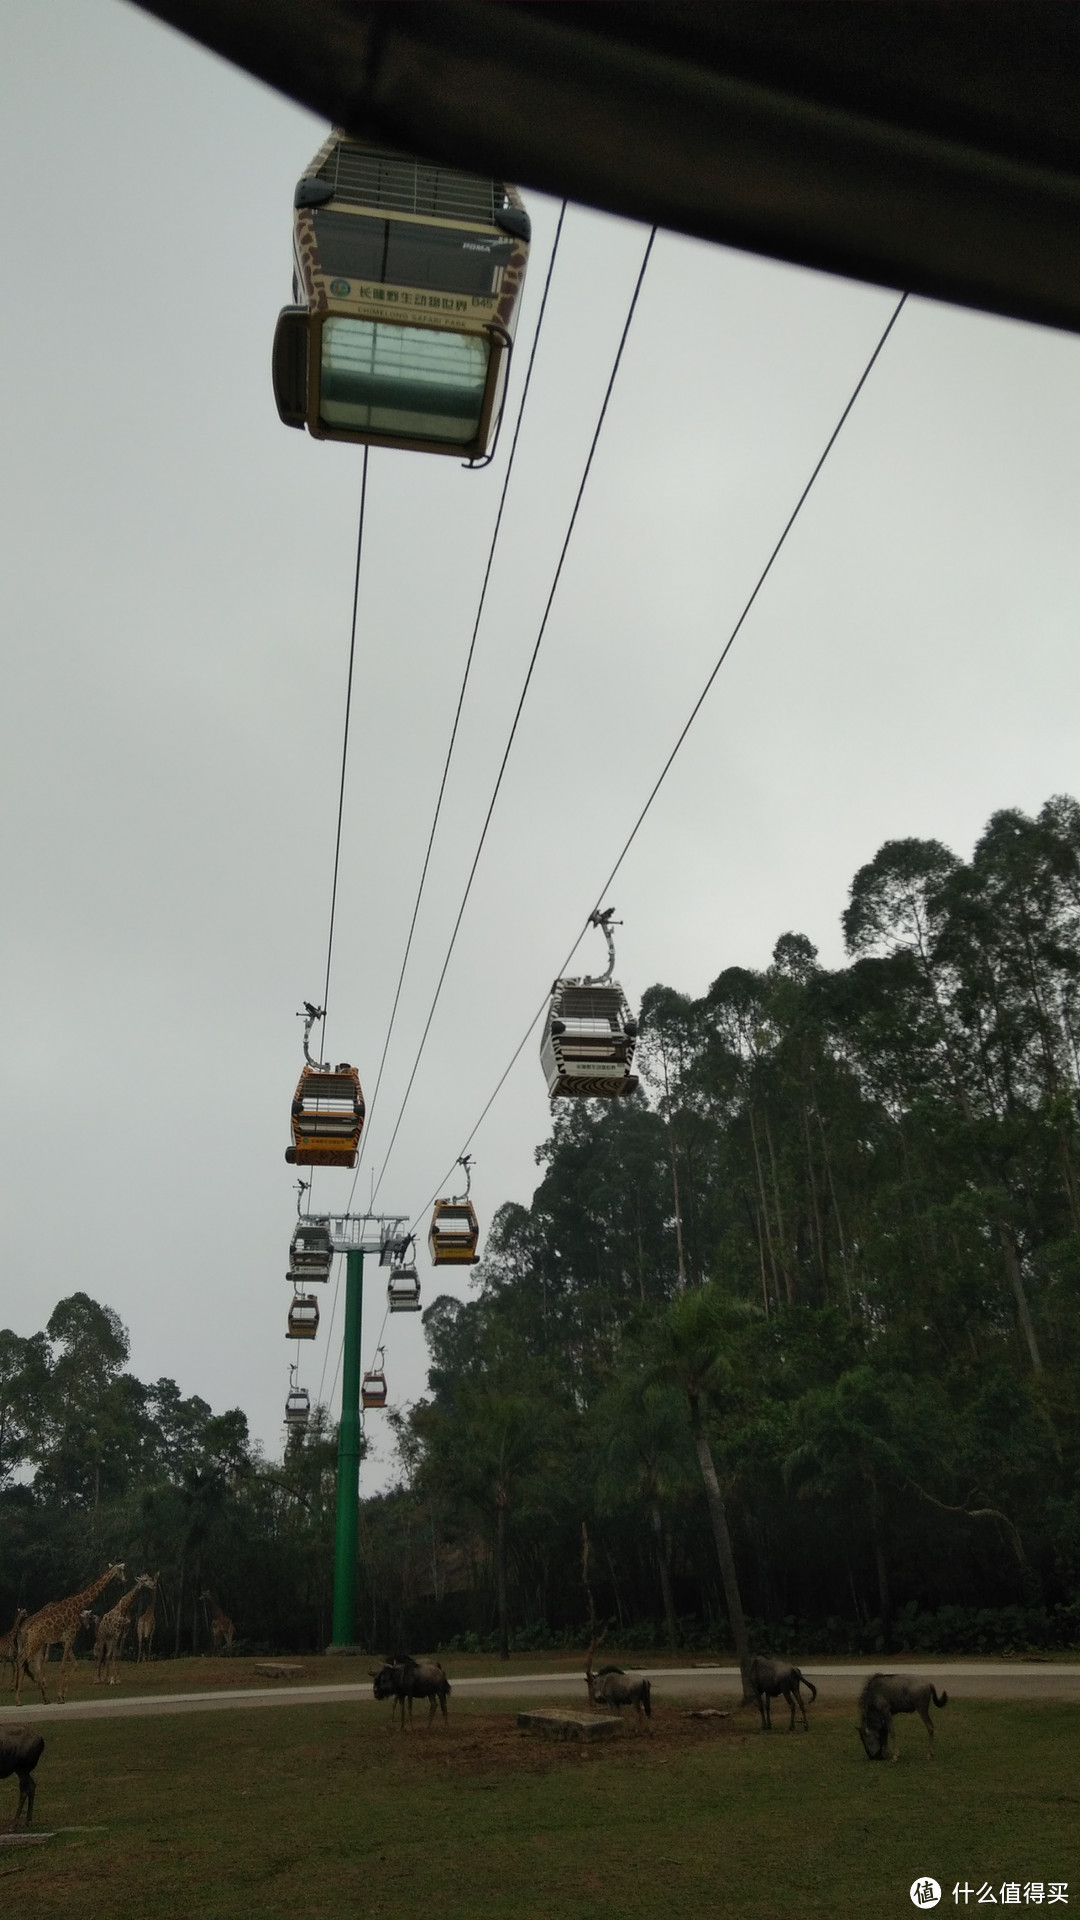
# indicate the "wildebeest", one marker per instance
pixel 402 1679
pixel 886 1694
pixel 20 1750
pixel 771 1678
pixel 613 1687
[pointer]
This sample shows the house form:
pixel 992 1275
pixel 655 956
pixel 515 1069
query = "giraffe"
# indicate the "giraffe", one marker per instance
pixel 9 1641
pixel 146 1624
pixel 55 1625
pixel 222 1631
pixel 112 1632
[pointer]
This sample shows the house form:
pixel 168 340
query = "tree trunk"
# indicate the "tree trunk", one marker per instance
pixel 500 1580
pixel 884 1594
pixel 785 1265
pixel 764 1202
pixel 179 1612
pixel 665 1577
pixel 722 1537
pixel 1016 1281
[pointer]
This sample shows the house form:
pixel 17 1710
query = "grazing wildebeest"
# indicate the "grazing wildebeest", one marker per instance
pixel 613 1687
pixel 770 1679
pixel 20 1750
pixel 886 1694
pixel 402 1679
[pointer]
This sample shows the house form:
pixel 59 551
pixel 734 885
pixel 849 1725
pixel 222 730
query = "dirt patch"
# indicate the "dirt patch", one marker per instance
pixel 490 1743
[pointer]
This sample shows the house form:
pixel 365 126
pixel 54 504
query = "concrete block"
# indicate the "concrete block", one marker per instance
pixel 555 1723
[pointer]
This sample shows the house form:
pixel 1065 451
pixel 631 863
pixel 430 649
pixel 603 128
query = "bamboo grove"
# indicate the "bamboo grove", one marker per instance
pixel 790 1338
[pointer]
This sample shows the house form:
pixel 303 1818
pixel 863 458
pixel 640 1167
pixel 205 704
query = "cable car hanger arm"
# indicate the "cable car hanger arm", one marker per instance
pixel 309 1017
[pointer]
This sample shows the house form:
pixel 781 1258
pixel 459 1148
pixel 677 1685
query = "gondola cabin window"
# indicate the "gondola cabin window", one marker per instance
pixel 417 382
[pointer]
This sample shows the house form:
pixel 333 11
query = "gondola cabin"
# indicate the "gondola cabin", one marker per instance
pixel 403 1290
pixel 303 1317
pixel 373 1391
pixel 454 1233
pixel 327 1118
pixel 410 277
pixel 297 1407
pixel 587 1048
pixel 311 1255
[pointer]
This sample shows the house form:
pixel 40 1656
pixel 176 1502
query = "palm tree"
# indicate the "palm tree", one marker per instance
pixel 642 1432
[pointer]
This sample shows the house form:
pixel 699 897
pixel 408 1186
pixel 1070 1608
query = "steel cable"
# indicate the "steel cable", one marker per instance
pixel 468 670
pixel 521 699
pixel 694 711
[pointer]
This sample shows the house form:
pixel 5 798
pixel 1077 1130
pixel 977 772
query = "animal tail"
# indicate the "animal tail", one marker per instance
pixel 940 1699
pixel 804 1682
pixel 646 1697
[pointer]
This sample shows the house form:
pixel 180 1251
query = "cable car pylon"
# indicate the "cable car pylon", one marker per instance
pixel 353 1234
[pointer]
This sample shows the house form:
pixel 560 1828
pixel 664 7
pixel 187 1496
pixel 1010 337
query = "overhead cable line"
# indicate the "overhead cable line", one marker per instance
pixel 522 697
pixel 344 749
pixel 337 833
pixel 694 711
pixel 468 670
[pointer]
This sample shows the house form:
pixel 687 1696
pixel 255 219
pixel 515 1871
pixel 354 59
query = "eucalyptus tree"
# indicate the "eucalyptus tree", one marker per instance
pixel 690 1347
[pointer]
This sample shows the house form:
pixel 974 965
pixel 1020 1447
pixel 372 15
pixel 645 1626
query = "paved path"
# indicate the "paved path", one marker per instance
pixel 993 1680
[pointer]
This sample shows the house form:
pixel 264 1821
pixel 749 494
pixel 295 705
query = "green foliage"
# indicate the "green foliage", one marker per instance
pixel 840 1230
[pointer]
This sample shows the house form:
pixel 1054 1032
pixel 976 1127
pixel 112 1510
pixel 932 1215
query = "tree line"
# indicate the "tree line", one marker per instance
pixel 786 1342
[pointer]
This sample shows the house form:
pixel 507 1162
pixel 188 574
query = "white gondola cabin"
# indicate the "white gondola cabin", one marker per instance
pixel 297 1407
pixel 303 1317
pixel 410 278
pixel 454 1234
pixel 373 1390
pixel 403 1290
pixel 587 1046
pixel 327 1117
pixel 311 1255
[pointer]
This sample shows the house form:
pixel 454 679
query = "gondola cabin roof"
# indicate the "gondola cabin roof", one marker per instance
pixel 587 1046
pixel 454 1233
pixel 327 1118
pixel 407 278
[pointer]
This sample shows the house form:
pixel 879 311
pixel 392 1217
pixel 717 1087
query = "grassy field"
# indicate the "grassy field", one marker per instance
pixel 323 1811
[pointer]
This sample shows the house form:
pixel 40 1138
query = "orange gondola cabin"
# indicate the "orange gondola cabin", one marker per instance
pixel 303 1317
pixel 373 1392
pixel 454 1234
pixel 327 1118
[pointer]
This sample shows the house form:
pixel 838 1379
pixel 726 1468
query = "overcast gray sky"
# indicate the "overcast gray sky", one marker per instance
pixel 178 577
